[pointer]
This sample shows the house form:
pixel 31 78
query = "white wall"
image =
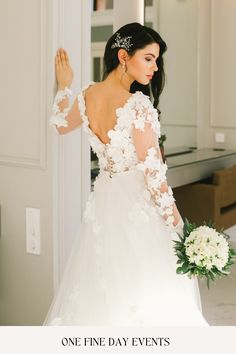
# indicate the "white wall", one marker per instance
pixel 38 168
pixel 26 281
pixel 178 25
pixel 222 116
pixel 199 96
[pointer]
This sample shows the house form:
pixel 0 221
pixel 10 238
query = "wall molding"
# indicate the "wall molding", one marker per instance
pixel 213 123
pixel 40 161
pixel 106 17
pixel 86 12
pixel 57 158
pixel 61 36
pixel 203 70
pixel 179 125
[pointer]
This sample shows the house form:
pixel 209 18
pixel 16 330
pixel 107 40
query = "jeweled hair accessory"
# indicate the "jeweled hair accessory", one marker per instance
pixel 122 42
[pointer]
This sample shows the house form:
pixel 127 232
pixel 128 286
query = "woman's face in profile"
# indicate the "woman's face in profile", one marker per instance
pixel 142 65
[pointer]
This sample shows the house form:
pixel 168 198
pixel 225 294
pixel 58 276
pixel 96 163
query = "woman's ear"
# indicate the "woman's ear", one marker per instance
pixel 122 56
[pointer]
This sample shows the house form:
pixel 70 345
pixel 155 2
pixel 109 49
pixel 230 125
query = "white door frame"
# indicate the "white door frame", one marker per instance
pixel 71 29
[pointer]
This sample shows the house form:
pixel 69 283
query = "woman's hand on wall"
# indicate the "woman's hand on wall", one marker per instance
pixel 64 73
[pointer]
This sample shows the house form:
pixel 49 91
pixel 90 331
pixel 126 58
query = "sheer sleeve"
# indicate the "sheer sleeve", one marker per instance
pixel 65 118
pixel 58 117
pixel 146 132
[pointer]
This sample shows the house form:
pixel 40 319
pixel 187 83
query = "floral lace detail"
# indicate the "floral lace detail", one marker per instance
pixel 89 214
pixel 146 113
pixel 142 210
pixel 58 117
pixel 152 166
pixel 119 154
pixel 155 175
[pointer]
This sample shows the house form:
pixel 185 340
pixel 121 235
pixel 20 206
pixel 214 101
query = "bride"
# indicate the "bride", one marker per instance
pixel 122 268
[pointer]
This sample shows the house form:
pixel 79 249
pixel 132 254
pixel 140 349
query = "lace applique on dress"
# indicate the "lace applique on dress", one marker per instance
pixel 126 152
pixel 119 154
pixel 151 165
pixel 89 214
pixel 58 117
pixel 142 210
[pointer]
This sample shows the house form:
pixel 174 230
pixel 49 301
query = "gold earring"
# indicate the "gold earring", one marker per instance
pixel 124 68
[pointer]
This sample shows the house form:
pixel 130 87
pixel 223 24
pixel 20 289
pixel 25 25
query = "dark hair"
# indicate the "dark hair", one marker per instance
pixel 141 37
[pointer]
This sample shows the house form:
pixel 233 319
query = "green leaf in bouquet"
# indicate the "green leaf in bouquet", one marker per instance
pixel 188 227
pixel 185 267
pixel 232 252
pixel 179 253
pixel 179 270
pixel 181 249
pixel 208 283
pixel 196 271
pixel 211 275
pixel 178 244
pixel 226 236
pixel 209 223
pixel 192 266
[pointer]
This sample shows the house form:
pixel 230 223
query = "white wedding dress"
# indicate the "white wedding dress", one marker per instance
pixel 122 269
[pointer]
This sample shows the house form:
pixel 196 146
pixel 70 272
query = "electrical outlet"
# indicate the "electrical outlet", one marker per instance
pixel 220 137
pixel 33 242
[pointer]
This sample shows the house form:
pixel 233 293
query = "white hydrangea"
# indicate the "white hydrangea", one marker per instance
pixel 207 248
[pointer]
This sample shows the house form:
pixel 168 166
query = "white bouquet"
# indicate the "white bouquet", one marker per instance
pixel 204 252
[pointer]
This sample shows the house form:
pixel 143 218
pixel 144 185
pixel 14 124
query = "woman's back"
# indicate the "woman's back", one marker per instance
pixel 101 101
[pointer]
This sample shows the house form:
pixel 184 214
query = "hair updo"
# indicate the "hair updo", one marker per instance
pixel 141 37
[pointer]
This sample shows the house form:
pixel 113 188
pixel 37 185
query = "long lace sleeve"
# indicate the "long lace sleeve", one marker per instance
pixel 58 117
pixel 65 118
pixel 146 132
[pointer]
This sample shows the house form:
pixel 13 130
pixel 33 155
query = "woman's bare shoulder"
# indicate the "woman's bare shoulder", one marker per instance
pixel 101 89
pixel 95 87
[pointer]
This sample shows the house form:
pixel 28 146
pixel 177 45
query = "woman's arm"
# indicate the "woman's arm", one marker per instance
pixel 64 119
pixel 146 134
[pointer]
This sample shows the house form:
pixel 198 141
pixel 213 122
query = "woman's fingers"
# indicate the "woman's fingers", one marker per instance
pixel 63 57
pixel 58 59
pixel 64 73
pixel 67 58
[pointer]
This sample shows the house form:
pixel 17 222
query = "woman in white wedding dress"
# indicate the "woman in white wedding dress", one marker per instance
pixel 122 268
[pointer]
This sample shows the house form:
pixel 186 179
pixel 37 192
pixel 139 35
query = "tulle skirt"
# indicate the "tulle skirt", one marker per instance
pixel 122 268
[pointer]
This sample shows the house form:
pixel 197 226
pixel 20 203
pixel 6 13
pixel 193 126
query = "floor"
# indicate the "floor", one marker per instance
pixel 219 303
